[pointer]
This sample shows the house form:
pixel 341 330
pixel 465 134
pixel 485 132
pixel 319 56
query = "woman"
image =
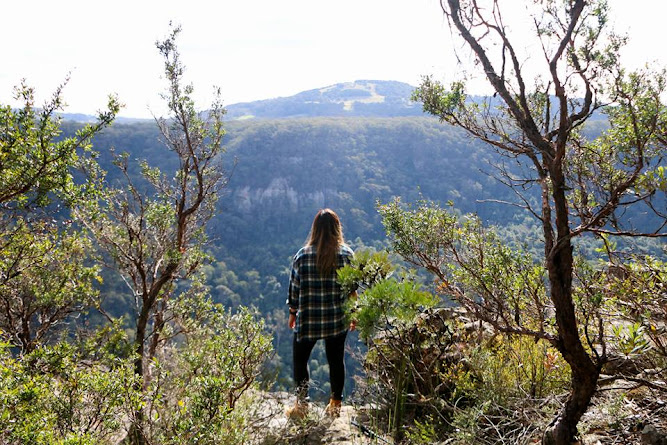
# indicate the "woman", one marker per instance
pixel 316 308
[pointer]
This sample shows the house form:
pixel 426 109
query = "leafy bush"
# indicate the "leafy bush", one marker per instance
pixel 196 388
pixel 53 396
pixel 433 372
pixel 85 393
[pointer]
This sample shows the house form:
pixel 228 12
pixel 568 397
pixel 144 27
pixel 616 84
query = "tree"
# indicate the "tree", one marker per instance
pixel 43 277
pixel 35 161
pixel 45 281
pixel 154 231
pixel 583 186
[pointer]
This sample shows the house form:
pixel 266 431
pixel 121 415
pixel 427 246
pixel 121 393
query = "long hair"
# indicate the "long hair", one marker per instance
pixel 326 234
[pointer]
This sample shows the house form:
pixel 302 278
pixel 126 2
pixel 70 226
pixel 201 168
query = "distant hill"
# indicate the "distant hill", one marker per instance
pixel 367 98
pixel 89 118
pixel 360 98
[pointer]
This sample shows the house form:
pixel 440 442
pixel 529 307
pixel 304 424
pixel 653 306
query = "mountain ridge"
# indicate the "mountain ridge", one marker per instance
pixel 367 98
pixel 359 98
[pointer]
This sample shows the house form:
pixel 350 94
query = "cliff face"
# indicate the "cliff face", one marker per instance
pixel 278 194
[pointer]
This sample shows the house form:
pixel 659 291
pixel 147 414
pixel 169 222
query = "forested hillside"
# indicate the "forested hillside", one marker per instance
pixel 282 171
pixel 371 98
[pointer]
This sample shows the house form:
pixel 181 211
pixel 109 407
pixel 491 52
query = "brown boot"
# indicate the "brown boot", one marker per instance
pixel 333 408
pixel 298 412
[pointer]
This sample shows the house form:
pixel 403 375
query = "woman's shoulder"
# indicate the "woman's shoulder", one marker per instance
pixel 346 250
pixel 305 250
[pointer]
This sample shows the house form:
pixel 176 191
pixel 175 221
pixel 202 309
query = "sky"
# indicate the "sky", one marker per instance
pixel 251 49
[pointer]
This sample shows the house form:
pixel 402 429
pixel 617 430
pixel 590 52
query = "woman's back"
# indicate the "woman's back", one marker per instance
pixel 318 296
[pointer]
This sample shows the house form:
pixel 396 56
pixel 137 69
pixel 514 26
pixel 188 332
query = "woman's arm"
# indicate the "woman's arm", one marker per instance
pixel 293 293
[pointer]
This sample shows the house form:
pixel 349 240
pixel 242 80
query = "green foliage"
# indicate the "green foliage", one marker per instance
pixel 507 378
pixel 55 396
pixel 366 269
pixel 384 301
pixel 631 339
pixel 494 384
pixel 46 280
pixel 639 284
pixel 86 392
pixel 438 100
pixel 655 179
pixel 422 432
pixel 502 285
pixel 196 389
pixel 35 160
pixel 442 375
pixel 422 233
pixel 513 367
pixel 390 303
pixel 385 307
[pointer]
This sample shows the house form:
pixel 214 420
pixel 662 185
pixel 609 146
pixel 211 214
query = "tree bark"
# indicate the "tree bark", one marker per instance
pixel 564 429
pixel 585 372
pixel 136 434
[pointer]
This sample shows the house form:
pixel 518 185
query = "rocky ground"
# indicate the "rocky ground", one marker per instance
pixel 635 422
pixel 273 427
pixel 626 413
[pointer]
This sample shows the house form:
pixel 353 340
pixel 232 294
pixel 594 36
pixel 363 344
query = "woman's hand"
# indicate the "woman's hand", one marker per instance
pixel 291 321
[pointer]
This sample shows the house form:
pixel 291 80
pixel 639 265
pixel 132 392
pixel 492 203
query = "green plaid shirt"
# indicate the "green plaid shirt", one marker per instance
pixel 319 300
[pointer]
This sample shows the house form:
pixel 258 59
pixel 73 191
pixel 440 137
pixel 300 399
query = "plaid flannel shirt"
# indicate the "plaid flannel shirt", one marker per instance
pixel 318 300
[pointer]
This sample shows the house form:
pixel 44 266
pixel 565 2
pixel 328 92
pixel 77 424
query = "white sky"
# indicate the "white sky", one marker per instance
pixel 252 49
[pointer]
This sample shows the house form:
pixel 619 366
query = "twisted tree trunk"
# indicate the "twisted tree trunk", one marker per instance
pixel 585 372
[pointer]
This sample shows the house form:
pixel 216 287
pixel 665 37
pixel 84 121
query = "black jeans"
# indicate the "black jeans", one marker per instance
pixel 335 349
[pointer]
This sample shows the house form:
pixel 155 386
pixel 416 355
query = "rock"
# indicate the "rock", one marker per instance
pixel 592 439
pixel 653 436
pixel 339 431
pixel 273 428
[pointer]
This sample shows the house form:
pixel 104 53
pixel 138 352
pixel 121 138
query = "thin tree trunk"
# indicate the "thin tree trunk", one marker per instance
pixel 139 341
pixel 585 372
pixel 564 429
pixel 136 434
pixel 158 323
pixel 26 336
